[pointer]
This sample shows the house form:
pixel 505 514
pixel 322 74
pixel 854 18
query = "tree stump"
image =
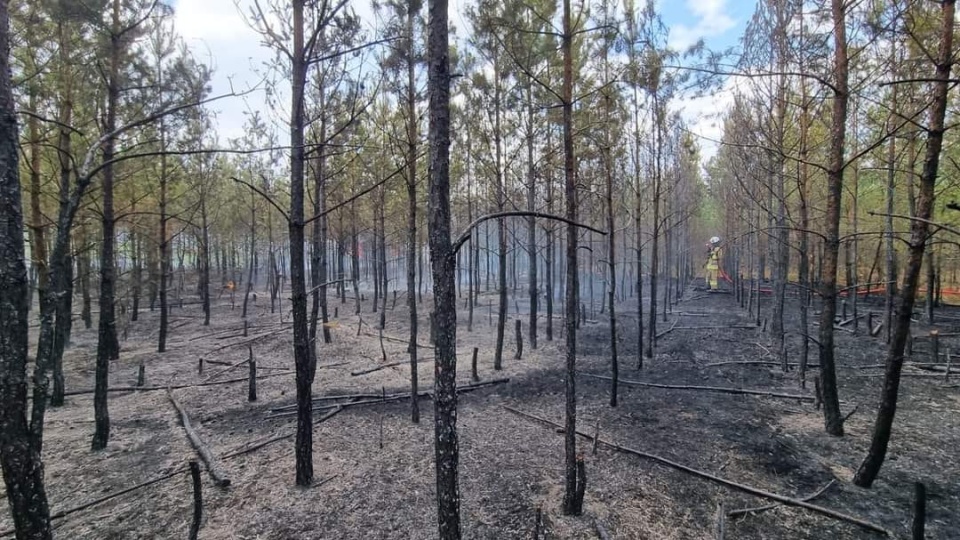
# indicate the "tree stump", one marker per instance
pixel 252 386
pixel 519 330
pixel 919 511
pixel 197 500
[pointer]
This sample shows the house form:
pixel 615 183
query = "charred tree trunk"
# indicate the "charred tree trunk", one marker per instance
pixel 20 460
pixel 833 421
pixel 531 222
pixel 303 351
pixel 412 136
pixel 571 504
pixel 919 228
pixel 442 260
pixel 107 346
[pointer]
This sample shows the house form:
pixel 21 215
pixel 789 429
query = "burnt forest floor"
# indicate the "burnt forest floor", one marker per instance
pixel 374 467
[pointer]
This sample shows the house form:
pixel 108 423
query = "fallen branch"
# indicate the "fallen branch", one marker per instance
pixel 396 340
pixel 723 481
pixel 758 509
pixel 756 362
pixel 290 410
pixel 388 365
pixel 219 478
pixel 63 513
pixel 668 330
pixel 258 445
pixel 172 387
pixel 718 327
pixel 247 341
pixel 849 414
pixel 720 389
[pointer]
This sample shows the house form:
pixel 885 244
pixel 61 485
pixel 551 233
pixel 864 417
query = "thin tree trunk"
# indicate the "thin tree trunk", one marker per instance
pixel 107 346
pixel 303 351
pixel 411 164
pixel 919 229
pixel 833 421
pixel 571 504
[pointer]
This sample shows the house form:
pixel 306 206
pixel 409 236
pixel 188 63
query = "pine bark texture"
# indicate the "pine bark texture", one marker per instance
pixel 442 260
pixel 19 457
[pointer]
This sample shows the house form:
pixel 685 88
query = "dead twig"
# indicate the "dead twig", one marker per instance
pixel 722 481
pixel 720 389
pixel 758 509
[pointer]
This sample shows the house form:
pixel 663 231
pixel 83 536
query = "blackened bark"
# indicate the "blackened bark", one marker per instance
pixel 833 421
pixel 919 228
pixel 531 221
pixel 655 241
pixel 355 257
pixel 20 460
pixel 411 165
pixel 107 346
pixel 570 506
pixel 501 224
pixel 442 262
pixel 303 352
pixel 205 262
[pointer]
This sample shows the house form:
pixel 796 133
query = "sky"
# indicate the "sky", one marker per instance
pixel 217 32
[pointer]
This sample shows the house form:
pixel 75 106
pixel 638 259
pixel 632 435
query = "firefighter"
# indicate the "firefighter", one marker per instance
pixel 712 266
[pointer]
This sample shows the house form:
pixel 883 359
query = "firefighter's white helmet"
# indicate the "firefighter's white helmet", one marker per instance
pixel 715 240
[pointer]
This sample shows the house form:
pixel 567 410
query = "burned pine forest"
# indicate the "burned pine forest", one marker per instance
pixel 522 269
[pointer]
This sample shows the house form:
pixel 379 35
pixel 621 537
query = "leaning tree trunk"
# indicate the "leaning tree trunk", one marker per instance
pixel 22 468
pixel 442 260
pixel 919 228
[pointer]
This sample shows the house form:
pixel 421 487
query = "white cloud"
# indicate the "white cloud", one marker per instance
pixel 712 20
pixel 704 116
pixel 218 34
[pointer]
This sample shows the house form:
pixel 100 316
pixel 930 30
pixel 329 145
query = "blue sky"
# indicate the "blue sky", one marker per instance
pixel 219 35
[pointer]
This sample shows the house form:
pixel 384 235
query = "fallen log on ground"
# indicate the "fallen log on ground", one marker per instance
pixel 671 329
pixel 247 341
pixel 720 389
pixel 758 509
pixel 258 445
pixel 213 468
pixel 166 476
pixel 380 367
pixel 63 513
pixel 171 387
pixel 720 327
pixel 290 410
pixel 396 339
pixel 756 362
pixel 717 479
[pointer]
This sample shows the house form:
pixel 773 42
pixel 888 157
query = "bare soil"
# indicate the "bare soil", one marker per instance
pixel 382 486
